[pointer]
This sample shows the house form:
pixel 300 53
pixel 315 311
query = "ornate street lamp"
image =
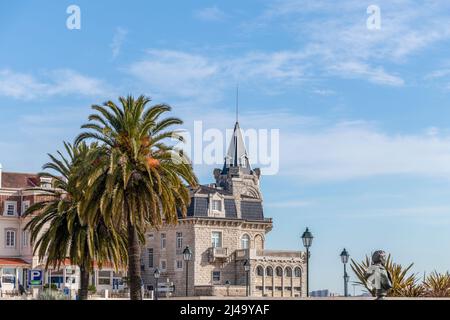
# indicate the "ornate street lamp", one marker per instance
pixel 247 272
pixel 156 274
pixel 344 259
pixel 187 256
pixel 307 239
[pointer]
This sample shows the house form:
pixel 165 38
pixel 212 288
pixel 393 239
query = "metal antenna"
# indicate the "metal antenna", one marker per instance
pixel 237 102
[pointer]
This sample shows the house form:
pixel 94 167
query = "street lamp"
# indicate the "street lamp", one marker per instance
pixel 307 239
pixel 344 259
pixel 247 272
pixel 156 274
pixel 187 256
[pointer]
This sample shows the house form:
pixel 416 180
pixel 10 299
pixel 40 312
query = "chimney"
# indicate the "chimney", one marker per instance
pixel 0 175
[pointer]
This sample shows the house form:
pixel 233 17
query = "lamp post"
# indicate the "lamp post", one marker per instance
pixel 156 274
pixel 187 256
pixel 307 239
pixel 344 259
pixel 247 271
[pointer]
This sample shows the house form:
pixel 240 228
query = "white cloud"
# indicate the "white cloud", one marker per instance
pixel 118 39
pixel 336 33
pixel 57 82
pixel 210 14
pixel 179 74
pixel 347 151
pixel 378 75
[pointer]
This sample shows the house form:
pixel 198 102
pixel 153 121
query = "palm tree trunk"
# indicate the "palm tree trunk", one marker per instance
pixel 84 283
pixel 134 263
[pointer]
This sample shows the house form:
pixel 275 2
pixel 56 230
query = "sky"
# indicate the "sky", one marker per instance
pixel 363 114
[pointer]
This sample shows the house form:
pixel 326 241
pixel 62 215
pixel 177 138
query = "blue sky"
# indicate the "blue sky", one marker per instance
pixel 363 114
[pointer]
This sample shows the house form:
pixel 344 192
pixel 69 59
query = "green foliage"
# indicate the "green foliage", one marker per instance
pixel 53 287
pixel 139 181
pixel 404 284
pixel 437 285
pixel 92 289
pixel 51 295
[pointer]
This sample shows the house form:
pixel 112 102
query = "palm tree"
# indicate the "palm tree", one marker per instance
pixel 58 232
pixel 402 284
pixel 145 180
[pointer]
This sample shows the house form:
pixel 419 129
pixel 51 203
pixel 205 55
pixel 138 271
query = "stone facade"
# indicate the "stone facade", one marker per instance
pixel 224 227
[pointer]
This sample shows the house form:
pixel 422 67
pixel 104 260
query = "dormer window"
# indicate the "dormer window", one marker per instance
pixel 243 162
pixel 217 205
pixel 46 182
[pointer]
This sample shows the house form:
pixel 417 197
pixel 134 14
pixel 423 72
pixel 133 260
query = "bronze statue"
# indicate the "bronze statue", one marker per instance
pixel 378 278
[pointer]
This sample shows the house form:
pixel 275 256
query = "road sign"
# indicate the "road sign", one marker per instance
pixel 35 278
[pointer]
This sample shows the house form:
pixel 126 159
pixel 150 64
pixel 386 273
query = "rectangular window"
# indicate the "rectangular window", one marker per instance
pixel 163 265
pixel 217 205
pixel 150 257
pixel 10 240
pixel 163 241
pixel 25 206
pixel 104 277
pixel 10 208
pixel 24 238
pixel 179 265
pixel 216 276
pixel 216 239
pixel 179 240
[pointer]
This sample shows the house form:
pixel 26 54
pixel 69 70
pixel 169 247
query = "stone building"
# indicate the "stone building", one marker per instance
pixel 225 228
pixel 18 191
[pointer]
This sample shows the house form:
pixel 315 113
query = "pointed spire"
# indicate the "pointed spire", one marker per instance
pixel 237 153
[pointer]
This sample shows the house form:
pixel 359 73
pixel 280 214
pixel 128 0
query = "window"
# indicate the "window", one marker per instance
pixel 216 276
pixel 245 241
pixel 179 240
pixel 24 238
pixel 25 206
pixel 104 277
pixel 288 272
pixel 151 236
pixel 216 239
pixel 279 272
pixel 163 241
pixel 150 257
pixel 260 271
pixel 10 208
pixel 217 205
pixel 269 271
pixel 10 238
pixel 298 272
pixel 163 265
pixel 179 265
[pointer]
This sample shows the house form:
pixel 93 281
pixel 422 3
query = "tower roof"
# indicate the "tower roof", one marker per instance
pixel 237 154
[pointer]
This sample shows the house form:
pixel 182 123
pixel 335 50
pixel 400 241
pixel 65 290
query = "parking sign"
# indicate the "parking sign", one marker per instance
pixel 35 278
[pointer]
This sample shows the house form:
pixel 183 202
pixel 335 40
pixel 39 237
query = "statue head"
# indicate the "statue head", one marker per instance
pixel 379 257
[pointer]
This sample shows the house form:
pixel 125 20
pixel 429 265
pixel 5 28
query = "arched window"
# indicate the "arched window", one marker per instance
pixel 288 272
pixel 259 242
pixel 245 241
pixel 260 271
pixel 298 272
pixel 269 271
pixel 279 271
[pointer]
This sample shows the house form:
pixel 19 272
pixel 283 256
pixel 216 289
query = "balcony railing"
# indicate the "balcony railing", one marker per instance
pixel 216 254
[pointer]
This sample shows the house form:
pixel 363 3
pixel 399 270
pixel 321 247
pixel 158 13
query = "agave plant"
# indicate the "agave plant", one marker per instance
pixel 403 285
pixel 437 285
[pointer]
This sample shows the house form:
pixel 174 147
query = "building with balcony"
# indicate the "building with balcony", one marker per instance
pixel 225 228
pixel 18 191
